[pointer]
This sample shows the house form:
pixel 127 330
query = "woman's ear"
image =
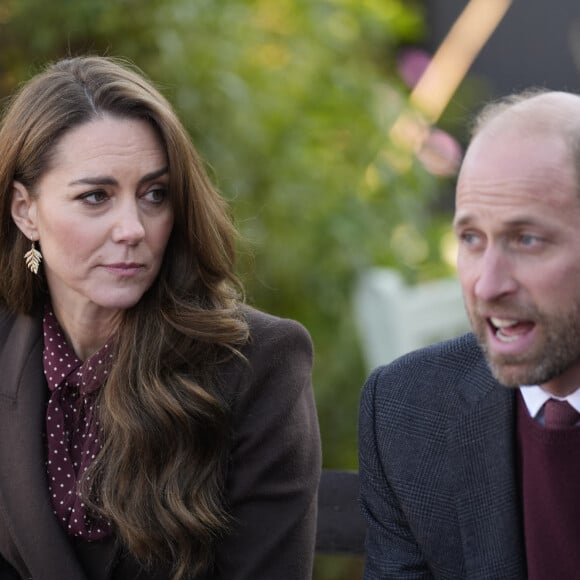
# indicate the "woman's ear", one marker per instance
pixel 23 211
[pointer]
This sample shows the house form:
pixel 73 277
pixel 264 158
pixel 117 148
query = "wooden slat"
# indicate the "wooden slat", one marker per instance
pixel 341 527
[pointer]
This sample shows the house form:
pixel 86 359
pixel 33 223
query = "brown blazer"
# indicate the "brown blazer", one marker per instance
pixel 272 480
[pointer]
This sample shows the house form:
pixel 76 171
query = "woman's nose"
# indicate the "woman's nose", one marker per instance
pixel 128 226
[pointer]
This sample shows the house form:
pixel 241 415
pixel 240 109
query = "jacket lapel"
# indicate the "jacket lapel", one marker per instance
pixel 41 542
pixel 482 445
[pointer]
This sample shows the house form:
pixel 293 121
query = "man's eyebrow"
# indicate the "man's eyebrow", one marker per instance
pixel 513 223
pixel 519 222
pixel 462 220
pixel 107 180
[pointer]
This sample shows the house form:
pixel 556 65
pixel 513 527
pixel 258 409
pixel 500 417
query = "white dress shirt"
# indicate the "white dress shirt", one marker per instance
pixel 535 397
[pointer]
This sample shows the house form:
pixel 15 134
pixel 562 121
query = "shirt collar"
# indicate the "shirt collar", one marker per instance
pixel 61 364
pixel 535 397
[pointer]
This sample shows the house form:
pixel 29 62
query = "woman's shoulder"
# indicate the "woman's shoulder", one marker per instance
pixel 278 355
pixel 21 328
pixel 268 327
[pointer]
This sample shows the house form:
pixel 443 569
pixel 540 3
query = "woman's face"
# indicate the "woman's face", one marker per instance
pixel 101 215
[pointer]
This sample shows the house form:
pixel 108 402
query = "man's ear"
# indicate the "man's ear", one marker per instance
pixel 23 211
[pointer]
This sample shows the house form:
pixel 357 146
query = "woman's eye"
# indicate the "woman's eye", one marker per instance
pixel 157 195
pixel 93 197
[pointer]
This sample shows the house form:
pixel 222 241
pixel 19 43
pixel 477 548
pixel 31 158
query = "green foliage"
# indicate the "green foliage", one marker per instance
pixel 290 102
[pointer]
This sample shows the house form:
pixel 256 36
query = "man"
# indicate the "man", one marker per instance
pixel 467 470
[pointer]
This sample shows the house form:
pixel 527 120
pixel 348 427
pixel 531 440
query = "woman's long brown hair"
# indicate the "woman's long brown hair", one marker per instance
pixel 160 474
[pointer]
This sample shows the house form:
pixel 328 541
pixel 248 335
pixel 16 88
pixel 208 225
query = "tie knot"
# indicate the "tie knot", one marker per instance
pixel 559 414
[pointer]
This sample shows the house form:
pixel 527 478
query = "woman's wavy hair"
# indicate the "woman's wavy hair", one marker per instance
pixel 160 474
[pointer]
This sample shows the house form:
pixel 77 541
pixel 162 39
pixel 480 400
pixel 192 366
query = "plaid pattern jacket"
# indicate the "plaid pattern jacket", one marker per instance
pixel 438 472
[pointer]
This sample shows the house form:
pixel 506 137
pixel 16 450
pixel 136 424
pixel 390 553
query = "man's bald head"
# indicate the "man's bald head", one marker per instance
pixel 532 114
pixel 537 109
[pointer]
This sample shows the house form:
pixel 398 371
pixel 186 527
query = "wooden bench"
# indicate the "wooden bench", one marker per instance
pixel 341 527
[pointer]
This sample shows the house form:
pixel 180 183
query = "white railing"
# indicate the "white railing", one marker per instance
pixel 394 318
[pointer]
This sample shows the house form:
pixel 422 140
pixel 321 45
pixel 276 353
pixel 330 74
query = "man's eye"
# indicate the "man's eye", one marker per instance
pixel 528 240
pixel 469 238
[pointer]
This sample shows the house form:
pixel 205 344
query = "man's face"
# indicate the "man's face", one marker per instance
pixel 517 220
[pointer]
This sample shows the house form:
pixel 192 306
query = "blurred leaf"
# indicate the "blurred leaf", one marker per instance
pixel 290 103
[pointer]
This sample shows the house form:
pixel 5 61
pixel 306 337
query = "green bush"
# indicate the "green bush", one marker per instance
pixel 290 103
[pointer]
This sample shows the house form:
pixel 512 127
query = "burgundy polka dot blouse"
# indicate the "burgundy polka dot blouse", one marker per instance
pixel 73 433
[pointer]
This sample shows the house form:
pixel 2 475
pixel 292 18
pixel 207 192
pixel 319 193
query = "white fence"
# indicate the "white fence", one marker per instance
pixel 394 318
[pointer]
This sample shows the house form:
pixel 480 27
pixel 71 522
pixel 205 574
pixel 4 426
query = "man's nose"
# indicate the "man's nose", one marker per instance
pixel 495 276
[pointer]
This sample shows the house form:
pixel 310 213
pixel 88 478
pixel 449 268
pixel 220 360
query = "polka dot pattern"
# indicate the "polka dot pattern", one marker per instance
pixel 73 433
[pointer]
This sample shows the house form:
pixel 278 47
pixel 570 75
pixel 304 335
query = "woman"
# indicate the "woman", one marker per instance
pixel 151 426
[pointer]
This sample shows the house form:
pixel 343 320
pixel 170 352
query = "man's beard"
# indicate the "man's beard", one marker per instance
pixel 557 348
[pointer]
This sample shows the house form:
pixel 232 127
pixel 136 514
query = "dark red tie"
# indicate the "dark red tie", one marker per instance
pixel 559 414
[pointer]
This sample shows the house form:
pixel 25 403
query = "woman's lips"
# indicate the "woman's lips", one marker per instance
pixel 124 268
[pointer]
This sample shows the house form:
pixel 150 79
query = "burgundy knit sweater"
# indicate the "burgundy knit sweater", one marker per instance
pixel 549 461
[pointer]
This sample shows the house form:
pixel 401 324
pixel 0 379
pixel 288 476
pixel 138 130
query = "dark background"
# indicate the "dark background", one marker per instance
pixel 536 44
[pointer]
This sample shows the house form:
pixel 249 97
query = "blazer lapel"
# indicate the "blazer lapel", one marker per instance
pixel 43 545
pixel 482 445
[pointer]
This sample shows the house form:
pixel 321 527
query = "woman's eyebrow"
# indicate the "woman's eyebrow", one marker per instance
pixel 107 180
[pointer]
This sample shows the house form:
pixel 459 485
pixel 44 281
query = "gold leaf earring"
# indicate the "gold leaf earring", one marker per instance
pixel 32 259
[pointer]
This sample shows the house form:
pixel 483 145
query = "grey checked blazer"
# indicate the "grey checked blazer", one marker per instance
pixel 439 483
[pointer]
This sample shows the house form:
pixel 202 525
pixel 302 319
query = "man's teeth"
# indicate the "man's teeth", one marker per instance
pixel 506 338
pixel 502 322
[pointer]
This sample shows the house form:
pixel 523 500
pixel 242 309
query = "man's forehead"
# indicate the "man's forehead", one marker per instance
pixel 515 158
pixel 507 210
pixel 512 179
